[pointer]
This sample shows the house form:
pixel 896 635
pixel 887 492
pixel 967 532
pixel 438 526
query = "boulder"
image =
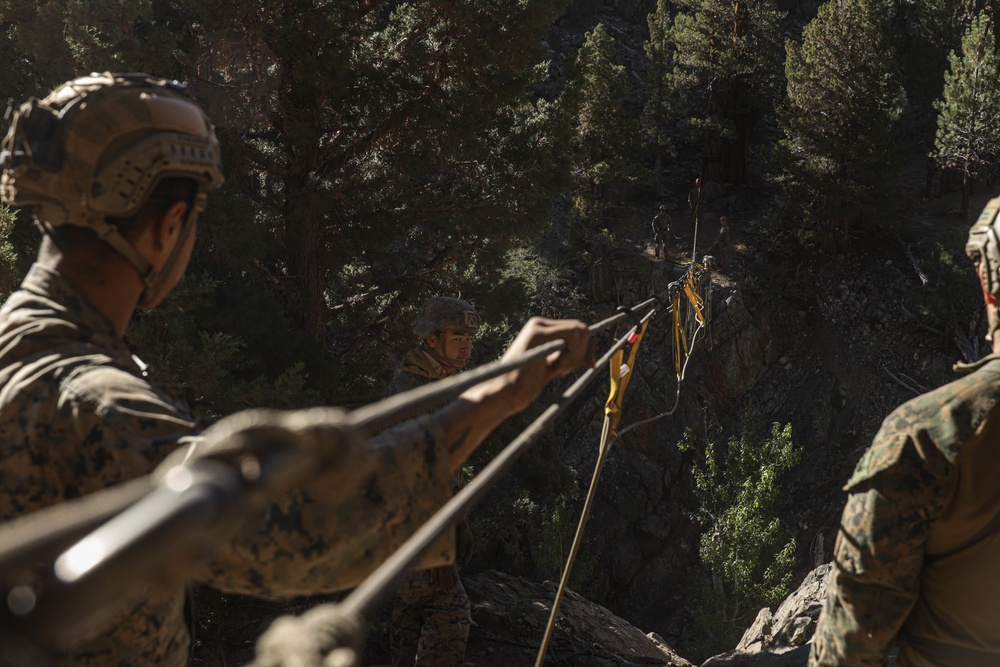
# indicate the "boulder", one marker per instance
pixel 780 639
pixel 514 611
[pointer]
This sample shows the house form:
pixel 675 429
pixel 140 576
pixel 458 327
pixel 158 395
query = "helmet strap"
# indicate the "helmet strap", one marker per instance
pixel 111 235
pixel 155 278
pixel 440 357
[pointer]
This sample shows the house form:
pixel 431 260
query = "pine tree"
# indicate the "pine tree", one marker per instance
pixel 727 74
pixel 844 107
pixel 604 133
pixel 968 135
pixel 376 154
pixel 944 22
pixel 659 110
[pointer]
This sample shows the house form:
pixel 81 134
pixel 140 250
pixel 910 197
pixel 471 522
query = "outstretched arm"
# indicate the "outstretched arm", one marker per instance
pixel 473 415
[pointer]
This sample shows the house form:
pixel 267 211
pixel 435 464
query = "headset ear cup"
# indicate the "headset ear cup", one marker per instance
pixel 31 139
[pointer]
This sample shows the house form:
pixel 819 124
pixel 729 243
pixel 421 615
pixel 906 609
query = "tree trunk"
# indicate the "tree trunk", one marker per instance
pixel 728 161
pixel 964 210
pixel 303 238
pixel 658 170
pixel 711 166
pixel 737 159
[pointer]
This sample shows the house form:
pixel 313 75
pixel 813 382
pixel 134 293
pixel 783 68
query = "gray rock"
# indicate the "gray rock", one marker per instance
pixel 780 639
pixel 585 634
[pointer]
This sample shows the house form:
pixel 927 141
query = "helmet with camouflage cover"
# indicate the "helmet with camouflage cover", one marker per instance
pixel 983 248
pixel 97 146
pixel 445 313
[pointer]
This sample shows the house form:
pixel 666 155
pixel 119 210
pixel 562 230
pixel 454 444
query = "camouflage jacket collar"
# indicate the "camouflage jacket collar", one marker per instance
pixel 964 368
pixel 419 362
pixel 45 289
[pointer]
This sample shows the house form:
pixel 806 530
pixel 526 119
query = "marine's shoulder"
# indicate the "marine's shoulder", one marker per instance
pixel 926 434
pixel 953 412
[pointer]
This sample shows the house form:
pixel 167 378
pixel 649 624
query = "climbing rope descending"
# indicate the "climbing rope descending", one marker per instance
pixel 696 287
pixel 620 374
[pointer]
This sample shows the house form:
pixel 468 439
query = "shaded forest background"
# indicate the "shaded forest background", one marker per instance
pixel 378 153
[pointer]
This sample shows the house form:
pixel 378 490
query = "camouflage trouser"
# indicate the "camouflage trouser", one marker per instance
pixel 660 243
pixel 430 626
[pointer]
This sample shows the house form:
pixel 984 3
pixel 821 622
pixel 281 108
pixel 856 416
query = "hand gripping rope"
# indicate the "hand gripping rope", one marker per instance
pixel 115 540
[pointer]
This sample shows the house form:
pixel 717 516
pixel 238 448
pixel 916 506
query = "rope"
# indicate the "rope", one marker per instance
pixel 377 588
pixel 37 537
pixel 219 497
pixel 704 277
pixel 620 376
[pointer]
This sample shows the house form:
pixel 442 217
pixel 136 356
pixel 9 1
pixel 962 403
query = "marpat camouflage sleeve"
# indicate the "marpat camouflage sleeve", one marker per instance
pixel 334 531
pixel 898 486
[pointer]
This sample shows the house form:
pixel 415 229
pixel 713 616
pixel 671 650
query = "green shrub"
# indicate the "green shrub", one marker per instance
pixel 746 551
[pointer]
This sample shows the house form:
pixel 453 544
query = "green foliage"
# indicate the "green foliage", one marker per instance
pixel 227 378
pixel 748 553
pixel 943 22
pixel 841 121
pixel 726 74
pixel 605 134
pixel 658 112
pixel 376 154
pixel 953 292
pixel 10 273
pixel 968 132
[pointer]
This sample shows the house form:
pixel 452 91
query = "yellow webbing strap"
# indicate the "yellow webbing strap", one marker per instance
pixel 612 415
pixel 620 379
pixel 680 340
pixel 694 297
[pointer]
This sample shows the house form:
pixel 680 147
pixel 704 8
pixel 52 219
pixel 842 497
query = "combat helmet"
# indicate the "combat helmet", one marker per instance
pixel 445 313
pixel 983 248
pixel 97 146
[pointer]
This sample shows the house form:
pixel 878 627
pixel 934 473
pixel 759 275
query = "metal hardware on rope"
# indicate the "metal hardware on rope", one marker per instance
pixel 366 598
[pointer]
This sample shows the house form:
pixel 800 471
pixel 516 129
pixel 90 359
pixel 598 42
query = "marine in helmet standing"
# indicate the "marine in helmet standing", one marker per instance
pixel 661 231
pixel 917 558
pixel 431 617
pixel 117 168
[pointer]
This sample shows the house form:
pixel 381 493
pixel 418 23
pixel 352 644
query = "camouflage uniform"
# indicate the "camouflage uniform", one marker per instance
pixel 431 615
pixel 917 560
pixel 78 415
pixel 661 232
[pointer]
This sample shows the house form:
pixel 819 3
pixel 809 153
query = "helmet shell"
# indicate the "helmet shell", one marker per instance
pixel 445 313
pixel 97 146
pixel 983 245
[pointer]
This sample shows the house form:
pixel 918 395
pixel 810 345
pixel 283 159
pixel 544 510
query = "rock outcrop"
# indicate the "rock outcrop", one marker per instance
pixel 780 639
pixel 514 612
